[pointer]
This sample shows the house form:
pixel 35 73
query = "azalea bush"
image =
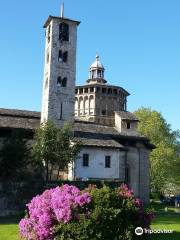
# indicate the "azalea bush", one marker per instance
pixel 66 213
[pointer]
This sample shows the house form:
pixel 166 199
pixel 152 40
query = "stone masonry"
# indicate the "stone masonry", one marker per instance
pixel 58 96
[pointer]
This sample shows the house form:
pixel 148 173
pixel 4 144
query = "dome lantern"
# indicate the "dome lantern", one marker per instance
pixel 96 72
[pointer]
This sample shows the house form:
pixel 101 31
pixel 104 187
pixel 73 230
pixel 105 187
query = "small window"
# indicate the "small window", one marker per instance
pixel 64 82
pixel 93 73
pixel 128 125
pixel 99 73
pixel 103 90
pixel 109 90
pixel 91 89
pixel 76 91
pixel 115 91
pixel 65 56
pixel 85 160
pixel 107 161
pixel 60 57
pixel 59 81
pixel 103 112
pixel 86 90
pixel 81 90
pixel 64 32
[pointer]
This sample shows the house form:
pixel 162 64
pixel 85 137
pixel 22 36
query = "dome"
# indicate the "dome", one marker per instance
pixel 97 63
pixel 96 72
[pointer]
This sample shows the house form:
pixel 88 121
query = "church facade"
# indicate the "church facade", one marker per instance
pixel 112 147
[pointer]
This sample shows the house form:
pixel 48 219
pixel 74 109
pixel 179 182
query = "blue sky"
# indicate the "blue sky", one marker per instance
pixel 138 41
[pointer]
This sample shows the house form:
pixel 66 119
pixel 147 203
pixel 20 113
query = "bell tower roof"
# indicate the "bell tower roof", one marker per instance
pixel 59 18
pixel 97 63
pixel 96 72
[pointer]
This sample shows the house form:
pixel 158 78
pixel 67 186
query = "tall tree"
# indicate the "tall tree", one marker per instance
pixel 55 147
pixel 14 157
pixel 165 159
pixel 19 171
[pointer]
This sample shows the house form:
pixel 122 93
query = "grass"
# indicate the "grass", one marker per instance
pixel 9 228
pixel 168 219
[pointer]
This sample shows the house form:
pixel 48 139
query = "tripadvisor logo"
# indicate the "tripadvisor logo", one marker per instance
pixel 139 231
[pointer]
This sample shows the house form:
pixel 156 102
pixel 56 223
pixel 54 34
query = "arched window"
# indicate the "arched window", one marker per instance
pixel 81 90
pixel 86 105
pixel 91 105
pixel 81 107
pixel 76 104
pixel 64 32
pixel 91 89
pixel 93 74
pixel 64 82
pixel 99 74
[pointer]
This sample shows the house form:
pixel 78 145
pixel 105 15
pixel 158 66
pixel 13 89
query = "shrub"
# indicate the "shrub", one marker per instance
pixel 84 184
pixel 58 205
pixel 68 213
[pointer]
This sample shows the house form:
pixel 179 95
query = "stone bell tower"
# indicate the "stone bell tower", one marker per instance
pixel 59 70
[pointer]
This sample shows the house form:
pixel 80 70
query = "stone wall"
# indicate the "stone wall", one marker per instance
pixel 138 162
pixel 144 175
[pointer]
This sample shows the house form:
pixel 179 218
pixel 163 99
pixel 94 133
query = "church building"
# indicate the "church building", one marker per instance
pixel 112 147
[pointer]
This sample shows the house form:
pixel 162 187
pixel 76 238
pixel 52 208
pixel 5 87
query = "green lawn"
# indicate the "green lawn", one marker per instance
pixel 9 228
pixel 165 219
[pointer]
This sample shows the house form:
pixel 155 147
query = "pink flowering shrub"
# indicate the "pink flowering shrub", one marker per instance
pixel 144 217
pixel 58 205
pixel 125 192
pixel 66 213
